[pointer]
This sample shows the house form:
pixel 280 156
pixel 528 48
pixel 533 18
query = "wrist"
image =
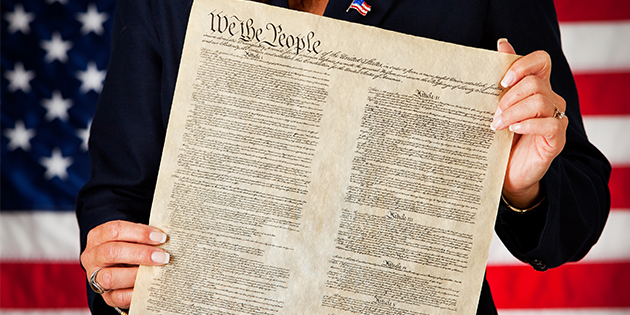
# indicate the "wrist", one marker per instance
pixel 523 199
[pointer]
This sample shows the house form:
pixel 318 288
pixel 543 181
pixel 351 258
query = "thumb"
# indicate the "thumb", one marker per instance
pixel 504 46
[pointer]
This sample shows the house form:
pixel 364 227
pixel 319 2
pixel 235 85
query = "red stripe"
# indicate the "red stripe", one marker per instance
pixel 62 285
pixel 570 286
pixel 603 94
pixel 42 286
pixel 620 187
pixel 590 10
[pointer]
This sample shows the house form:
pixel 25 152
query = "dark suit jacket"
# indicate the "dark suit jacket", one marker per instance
pixel 130 121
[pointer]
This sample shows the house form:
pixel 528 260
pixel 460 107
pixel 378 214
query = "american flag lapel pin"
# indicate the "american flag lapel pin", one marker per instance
pixel 360 5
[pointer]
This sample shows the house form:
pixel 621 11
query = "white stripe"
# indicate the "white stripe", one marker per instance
pixel 85 311
pixel 39 235
pixel 611 135
pixel 566 311
pixel 597 46
pixel 611 245
pixel 609 248
pixel 499 254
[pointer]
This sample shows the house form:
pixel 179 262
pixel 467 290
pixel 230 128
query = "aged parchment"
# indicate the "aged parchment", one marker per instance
pixel 314 166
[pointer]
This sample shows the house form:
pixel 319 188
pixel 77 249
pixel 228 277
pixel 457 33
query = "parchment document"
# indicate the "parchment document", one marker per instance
pixel 315 166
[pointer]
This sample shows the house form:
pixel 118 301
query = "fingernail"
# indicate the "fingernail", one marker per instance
pixel 497 113
pixel 508 79
pixel 496 124
pixel 497 120
pixel 158 237
pixel 500 41
pixel 160 257
pixel 515 127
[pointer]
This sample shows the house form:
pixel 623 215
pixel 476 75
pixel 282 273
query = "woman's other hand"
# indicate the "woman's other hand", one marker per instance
pixel 533 111
pixel 115 249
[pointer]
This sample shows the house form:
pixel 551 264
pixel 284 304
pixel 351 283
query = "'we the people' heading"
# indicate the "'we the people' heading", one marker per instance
pixel 271 34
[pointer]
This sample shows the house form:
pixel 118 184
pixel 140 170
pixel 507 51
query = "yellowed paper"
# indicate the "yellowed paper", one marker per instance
pixel 315 166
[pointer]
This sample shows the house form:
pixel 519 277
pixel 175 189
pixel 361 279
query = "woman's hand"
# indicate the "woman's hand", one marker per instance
pixel 528 109
pixel 118 247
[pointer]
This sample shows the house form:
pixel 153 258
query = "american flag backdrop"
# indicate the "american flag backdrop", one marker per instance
pixel 54 57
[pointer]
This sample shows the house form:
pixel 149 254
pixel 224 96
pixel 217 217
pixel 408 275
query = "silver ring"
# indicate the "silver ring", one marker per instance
pixel 557 114
pixel 96 287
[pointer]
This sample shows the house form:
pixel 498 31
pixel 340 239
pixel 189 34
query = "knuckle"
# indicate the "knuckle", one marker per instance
pixel 90 235
pixel 545 55
pixel 546 60
pixel 106 278
pixel 540 104
pixel 84 258
pixel 93 236
pixel 555 128
pixel 112 229
pixel 110 253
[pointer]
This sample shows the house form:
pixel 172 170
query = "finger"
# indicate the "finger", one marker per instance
pixel 537 63
pixel 527 87
pixel 552 129
pixel 118 298
pixel 505 47
pixel 116 278
pixel 116 253
pixel 126 232
pixel 534 106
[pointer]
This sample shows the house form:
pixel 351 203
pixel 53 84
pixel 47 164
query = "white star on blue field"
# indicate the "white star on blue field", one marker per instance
pixel 54 60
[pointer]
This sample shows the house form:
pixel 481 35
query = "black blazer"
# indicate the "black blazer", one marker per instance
pixel 130 122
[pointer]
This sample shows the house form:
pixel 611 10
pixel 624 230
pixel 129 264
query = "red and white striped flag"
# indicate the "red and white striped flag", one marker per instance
pixel 596 41
pixel 39 247
pixel 54 56
pixel 361 6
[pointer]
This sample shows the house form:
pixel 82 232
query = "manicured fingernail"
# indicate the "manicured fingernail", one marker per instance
pixel 500 41
pixel 508 79
pixel 497 120
pixel 497 113
pixel 496 124
pixel 160 257
pixel 158 237
pixel 515 127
